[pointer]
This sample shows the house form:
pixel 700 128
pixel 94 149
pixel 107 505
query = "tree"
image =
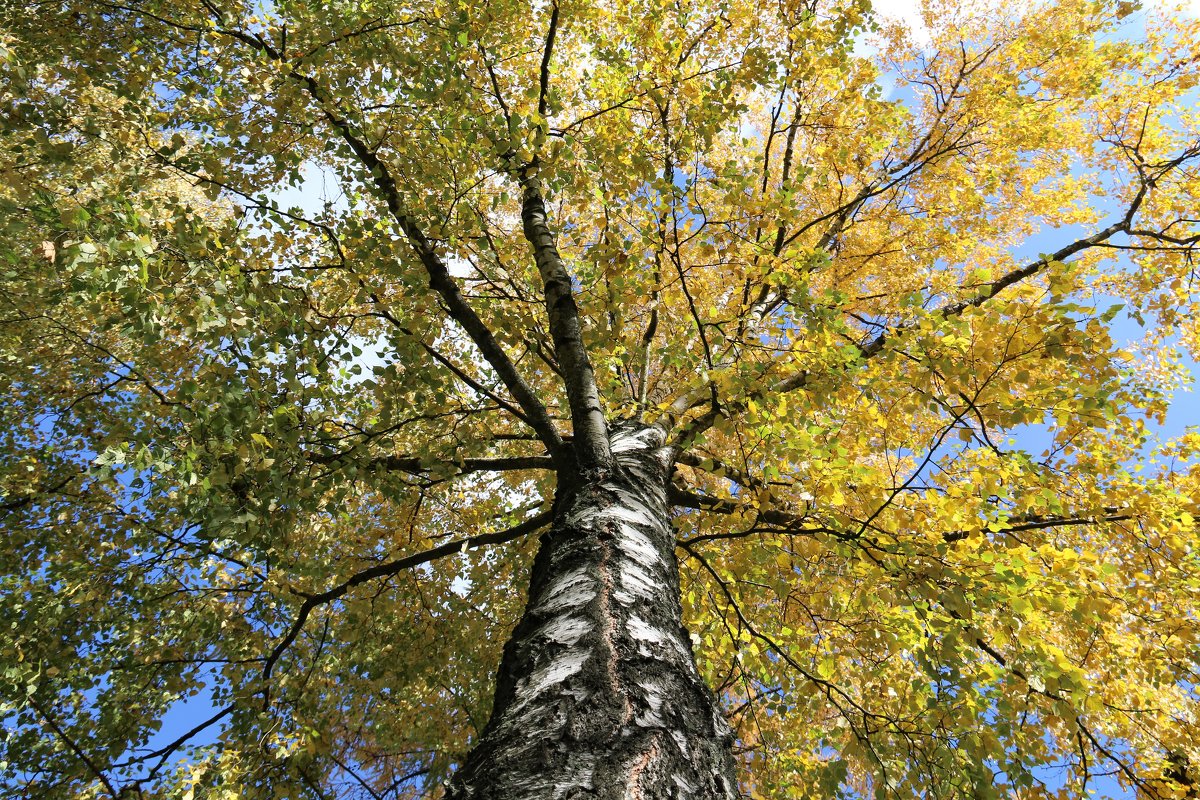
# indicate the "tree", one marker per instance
pixel 653 313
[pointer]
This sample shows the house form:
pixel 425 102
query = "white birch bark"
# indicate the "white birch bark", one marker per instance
pixel 598 695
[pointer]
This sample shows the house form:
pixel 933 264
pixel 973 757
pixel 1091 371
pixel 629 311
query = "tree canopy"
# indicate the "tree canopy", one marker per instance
pixel 287 465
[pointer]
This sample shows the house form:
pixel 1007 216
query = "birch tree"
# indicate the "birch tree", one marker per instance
pixel 664 399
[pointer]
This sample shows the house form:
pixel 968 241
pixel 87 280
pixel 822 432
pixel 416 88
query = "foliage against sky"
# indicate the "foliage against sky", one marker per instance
pixel 817 262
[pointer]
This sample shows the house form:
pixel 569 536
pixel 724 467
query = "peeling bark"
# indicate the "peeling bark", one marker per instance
pixel 598 695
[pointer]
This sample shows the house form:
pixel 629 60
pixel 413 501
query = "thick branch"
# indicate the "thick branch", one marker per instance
pixel 547 54
pixel 440 279
pixel 566 329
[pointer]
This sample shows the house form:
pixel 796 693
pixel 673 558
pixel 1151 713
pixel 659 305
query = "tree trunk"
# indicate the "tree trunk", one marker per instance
pixel 598 695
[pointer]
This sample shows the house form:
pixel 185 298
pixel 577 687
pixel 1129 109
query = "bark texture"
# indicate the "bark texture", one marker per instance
pixel 598 695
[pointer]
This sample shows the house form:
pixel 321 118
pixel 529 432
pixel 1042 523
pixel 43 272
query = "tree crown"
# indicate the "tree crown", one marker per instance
pixel 291 459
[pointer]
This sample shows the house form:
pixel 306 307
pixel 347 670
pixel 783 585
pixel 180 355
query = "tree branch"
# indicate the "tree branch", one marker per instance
pixel 792 523
pixel 415 466
pixel 566 330
pixel 74 747
pixel 440 279
pixel 22 500
pixel 387 569
pixel 547 54
pixel 699 424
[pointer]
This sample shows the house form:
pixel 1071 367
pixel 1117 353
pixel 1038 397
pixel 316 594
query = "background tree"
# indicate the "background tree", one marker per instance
pixel 652 279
